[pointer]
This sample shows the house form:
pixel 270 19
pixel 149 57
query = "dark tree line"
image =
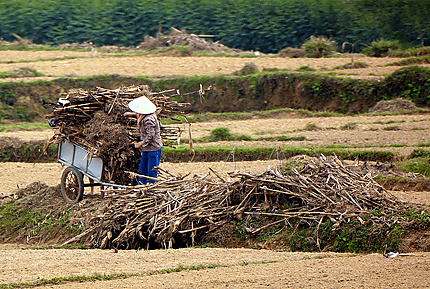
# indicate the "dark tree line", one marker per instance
pixel 266 25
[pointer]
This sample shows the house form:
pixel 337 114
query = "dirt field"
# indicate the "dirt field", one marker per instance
pixel 369 130
pixel 174 66
pixel 17 55
pixel 238 268
pixel 413 130
pixel 11 174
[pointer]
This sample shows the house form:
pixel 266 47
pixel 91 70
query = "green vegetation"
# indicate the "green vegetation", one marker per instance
pixel 319 47
pixel 23 126
pixel 305 68
pixel 412 60
pixel 283 138
pixel 27 152
pixel 417 165
pixel 369 236
pixel 412 82
pixel 98 277
pixel 21 72
pixel 349 126
pixel 392 127
pixel 227 153
pixel 409 52
pixel 381 48
pixel 318 91
pixel 388 121
pixel 13 218
pixel 41 60
pixel 353 65
pixel 420 153
pixel 224 134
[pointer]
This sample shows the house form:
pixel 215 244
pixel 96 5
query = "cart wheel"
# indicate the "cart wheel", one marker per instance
pixel 72 185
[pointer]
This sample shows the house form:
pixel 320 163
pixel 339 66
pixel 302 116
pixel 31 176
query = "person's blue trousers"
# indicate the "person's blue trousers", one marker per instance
pixel 149 160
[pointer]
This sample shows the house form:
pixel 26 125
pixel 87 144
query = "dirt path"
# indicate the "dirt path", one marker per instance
pixel 174 66
pixel 267 269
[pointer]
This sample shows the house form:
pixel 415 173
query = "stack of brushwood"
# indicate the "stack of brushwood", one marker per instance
pixel 182 38
pixel 95 120
pixel 181 211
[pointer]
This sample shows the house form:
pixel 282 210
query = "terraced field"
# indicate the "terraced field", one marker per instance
pixel 55 64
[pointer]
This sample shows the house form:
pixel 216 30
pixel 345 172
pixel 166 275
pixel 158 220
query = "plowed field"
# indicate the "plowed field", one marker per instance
pixel 234 268
pixel 154 66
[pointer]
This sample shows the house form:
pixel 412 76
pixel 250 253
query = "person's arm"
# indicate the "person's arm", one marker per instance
pixel 130 113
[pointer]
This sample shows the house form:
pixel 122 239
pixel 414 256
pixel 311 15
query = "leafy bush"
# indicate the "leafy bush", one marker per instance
pixel 319 46
pixel 381 48
pixel 220 134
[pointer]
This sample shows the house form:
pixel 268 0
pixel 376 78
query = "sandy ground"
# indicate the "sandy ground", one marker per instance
pixel 174 66
pixel 270 269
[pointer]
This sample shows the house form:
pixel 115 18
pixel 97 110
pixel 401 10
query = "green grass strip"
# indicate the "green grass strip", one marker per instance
pixel 43 59
pixel 218 153
pixel 68 279
pixel 23 126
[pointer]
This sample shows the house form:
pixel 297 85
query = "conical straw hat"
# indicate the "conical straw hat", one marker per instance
pixel 142 105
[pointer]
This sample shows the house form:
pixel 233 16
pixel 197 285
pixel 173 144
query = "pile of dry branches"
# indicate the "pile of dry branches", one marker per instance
pixel 182 38
pixel 95 119
pixel 180 208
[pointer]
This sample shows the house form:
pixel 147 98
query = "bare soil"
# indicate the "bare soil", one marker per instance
pixel 18 55
pixel 174 66
pixel 282 269
pixel 410 129
pixel 19 175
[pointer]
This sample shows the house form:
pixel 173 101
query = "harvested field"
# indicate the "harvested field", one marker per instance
pixel 174 66
pixel 369 130
pixel 17 55
pixel 238 268
pixel 11 173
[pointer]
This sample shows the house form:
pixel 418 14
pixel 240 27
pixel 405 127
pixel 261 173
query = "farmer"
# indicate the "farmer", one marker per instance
pixel 150 144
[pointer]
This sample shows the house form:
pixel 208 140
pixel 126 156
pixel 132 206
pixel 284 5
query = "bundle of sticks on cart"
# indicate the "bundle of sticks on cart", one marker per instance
pixel 79 106
pixel 186 209
pixel 95 120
